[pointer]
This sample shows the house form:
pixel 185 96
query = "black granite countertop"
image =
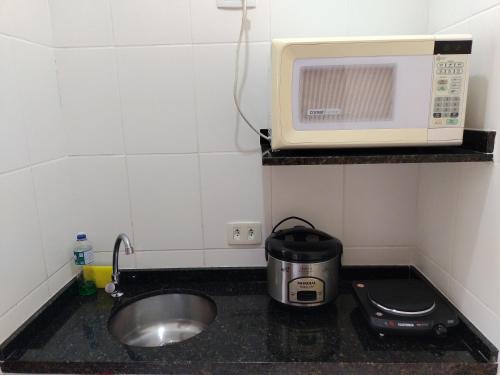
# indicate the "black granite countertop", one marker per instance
pixel 251 334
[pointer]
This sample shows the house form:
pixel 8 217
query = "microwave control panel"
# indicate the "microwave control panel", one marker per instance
pixel 450 89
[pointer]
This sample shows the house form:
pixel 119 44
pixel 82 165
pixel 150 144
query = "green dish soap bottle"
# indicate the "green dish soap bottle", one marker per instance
pixel 83 254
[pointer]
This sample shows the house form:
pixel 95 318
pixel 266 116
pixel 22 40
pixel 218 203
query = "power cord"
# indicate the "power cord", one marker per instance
pixel 236 87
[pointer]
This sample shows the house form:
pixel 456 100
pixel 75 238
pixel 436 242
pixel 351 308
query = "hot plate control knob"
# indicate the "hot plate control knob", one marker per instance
pixel 440 330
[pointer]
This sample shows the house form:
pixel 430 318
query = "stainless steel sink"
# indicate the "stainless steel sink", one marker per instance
pixel 162 319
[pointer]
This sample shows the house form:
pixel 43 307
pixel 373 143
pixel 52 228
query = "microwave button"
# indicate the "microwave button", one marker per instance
pixel 452 121
pixel 454 114
pixel 442 88
pixel 441 65
pixel 437 115
pixel 459 64
pixel 442 81
pixel 449 65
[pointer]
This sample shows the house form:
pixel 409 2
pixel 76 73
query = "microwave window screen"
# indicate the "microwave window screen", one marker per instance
pixel 346 93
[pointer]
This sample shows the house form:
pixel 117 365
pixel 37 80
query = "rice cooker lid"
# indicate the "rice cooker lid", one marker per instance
pixel 301 244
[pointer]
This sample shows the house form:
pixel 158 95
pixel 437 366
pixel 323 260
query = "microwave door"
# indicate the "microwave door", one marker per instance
pixel 385 92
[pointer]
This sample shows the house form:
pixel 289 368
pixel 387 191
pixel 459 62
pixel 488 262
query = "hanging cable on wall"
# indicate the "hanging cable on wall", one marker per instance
pixel 236 86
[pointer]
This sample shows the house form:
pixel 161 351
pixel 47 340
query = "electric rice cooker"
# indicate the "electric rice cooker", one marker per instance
pixel 303 265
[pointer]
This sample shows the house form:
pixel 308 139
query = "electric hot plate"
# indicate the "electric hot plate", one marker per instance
pixel 408 306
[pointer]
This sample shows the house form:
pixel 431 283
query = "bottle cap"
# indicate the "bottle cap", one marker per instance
pixel 81 236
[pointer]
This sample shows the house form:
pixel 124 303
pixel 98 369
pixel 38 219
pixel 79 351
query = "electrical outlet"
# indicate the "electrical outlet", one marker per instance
pixel 244 233
pixel 235 4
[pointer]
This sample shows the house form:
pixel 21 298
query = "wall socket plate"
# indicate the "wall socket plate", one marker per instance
pixel 228 4
pixel 244 233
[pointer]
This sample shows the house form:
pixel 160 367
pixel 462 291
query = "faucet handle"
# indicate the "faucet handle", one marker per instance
pixel 110 287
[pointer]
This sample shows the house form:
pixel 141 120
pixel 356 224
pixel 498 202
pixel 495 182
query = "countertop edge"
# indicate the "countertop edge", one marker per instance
pixel 254 368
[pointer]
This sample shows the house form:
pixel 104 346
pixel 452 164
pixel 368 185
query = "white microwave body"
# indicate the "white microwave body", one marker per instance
pixel 369 92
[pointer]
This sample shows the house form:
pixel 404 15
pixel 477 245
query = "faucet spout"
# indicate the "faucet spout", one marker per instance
pixel 112 287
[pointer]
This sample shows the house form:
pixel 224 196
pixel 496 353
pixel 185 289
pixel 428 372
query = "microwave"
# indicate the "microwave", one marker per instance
pixel 369 91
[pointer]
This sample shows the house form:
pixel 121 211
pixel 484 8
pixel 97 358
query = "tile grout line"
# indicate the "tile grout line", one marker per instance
pixel 197 128
pixel 122 128
pixel 466 19
pixel 179 45
pixel 39 221
pixel 35 165
pixel 417 213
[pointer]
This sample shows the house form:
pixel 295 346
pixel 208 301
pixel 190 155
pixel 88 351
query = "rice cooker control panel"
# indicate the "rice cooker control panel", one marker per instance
pixel 306 290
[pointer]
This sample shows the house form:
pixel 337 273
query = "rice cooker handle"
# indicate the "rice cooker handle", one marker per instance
pixel 290 218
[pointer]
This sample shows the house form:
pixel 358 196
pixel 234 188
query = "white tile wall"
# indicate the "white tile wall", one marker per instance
pixel 90 101
pixel 105 258
pixel 310 18
pixel 486 320
pixel 13 145
pixel 380 205
pixel 326 18
pixel 213 25
pixel 35 73
pixel 27 19
pixel 444 13
pixel 157 92
pixel 235 258
pixel 437 210
pixel 232 188
pixel 477 240
pixel 170 259
pixel 314 193
pixel 20 239
pixel 485 75
pixel 376 256
pixel 384 18
pixel 458 242
pixel 165 200
pixel 101 198
pixel 54 200
pixel 219 126
pixel 140 22
pixel 22 311
pixel 61 277
pixel 78 23
pixel 34 191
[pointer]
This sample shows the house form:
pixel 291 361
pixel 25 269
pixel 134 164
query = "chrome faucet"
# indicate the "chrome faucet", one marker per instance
pixel 113 286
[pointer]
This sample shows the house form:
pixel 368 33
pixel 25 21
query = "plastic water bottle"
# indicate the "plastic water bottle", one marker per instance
pixel 83 251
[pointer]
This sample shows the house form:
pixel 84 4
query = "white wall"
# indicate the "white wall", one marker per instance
pixel 459 205
pixel 150 144
pixel 35 194
pixel 158 151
